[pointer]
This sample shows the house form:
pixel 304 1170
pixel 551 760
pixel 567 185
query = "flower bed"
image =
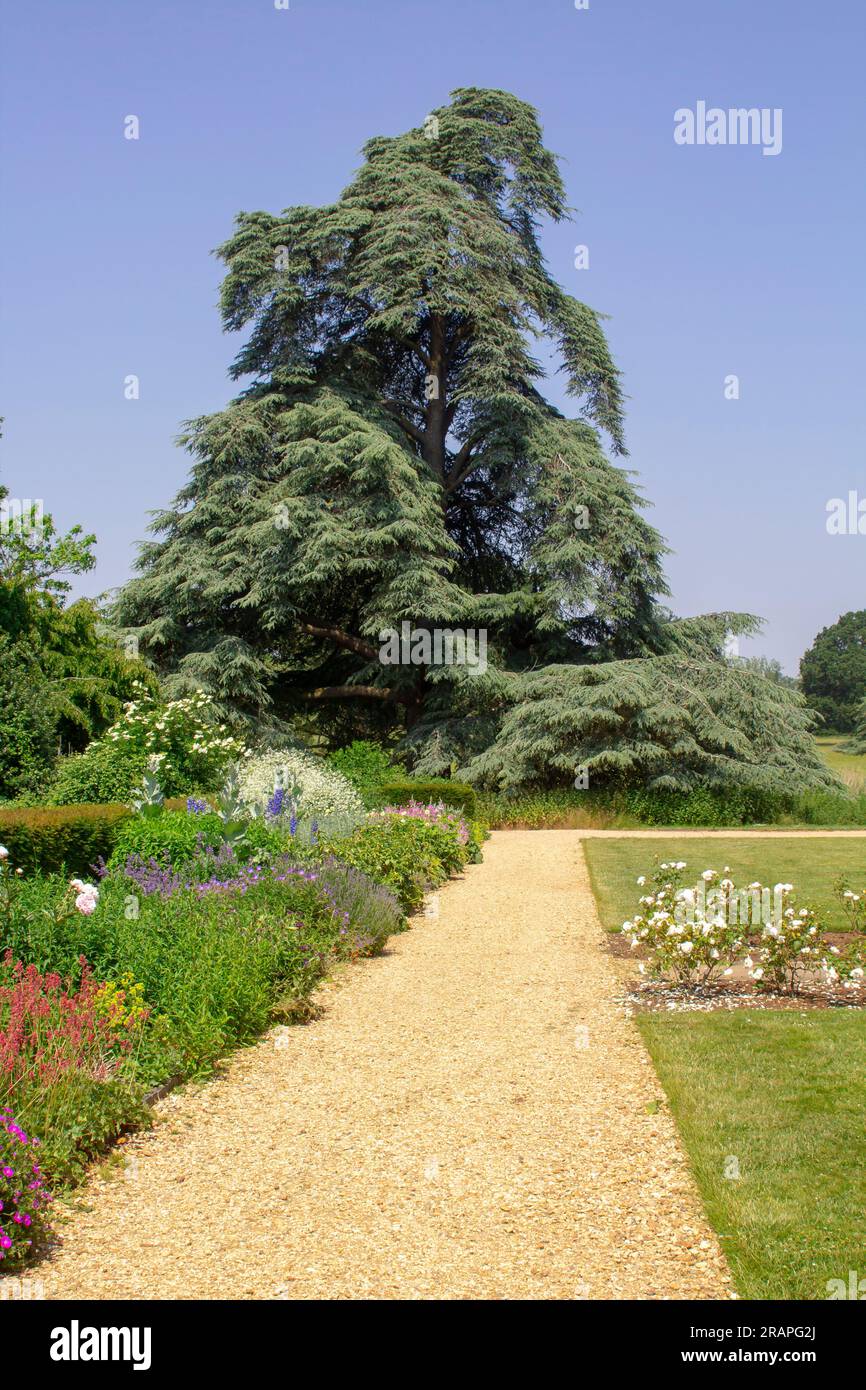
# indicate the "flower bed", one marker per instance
pixel 183 946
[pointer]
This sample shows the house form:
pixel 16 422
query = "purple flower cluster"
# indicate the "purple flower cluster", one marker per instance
pixel 151 876
pixel 23 1193
pixel 276 805
pixel 226 875
pixel 195 807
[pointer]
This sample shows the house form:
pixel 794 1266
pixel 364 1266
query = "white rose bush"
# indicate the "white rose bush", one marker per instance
pixel 685 943
pixel 697 935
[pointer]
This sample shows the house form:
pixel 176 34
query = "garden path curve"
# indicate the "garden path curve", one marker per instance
pixel 468 1119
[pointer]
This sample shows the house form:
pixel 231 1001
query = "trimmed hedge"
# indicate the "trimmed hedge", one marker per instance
pixel 72 838
pixel 401 792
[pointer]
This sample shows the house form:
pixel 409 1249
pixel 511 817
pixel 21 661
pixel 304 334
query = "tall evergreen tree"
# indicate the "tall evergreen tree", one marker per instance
pixel 392 459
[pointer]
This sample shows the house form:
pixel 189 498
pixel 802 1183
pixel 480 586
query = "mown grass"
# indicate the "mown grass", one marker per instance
pixel 811 864
pixel 780 1098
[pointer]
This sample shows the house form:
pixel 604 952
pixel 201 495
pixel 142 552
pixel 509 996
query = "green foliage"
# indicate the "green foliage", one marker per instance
pixel 34 562
pixel 55 656
pixel 857 743
pixel 607 808
pixel 27 730
pixel 769 667
pixel 408 856
pixel 169 837
pixel 88 676
pixel 367 765
pixel 103 772
pixel 833 672
pixel 713 806
pixel 672 723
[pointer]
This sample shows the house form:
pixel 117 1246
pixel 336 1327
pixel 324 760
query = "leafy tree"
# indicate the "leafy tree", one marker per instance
pixel 65 680
pixel 27 738
pixel 392 459
pixel 768 667
pixel 833 671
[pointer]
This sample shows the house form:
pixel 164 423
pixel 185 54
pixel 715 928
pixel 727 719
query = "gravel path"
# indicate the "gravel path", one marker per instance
pixel 467 1120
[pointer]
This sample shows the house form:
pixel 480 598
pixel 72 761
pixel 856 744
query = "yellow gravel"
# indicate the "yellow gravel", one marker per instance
pixel 473 1117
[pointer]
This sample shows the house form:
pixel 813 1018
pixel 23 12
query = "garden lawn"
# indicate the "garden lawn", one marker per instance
pixel 784 1094
pixel 811 864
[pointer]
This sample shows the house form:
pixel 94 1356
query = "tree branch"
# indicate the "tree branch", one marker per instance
pixel 462 464
pixel 342 639
pixel 412 430
pixel 343 692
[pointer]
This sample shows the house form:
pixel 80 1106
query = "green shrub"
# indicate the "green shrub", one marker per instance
pixel 169 837
pixel 407 855
pixel 400 791
pixel 711 807
pixel 104 772
pixel 367 766
pixel 605 808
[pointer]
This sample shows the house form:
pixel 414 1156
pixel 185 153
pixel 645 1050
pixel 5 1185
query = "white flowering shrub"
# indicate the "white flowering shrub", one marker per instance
pixel 686 934
pixel 788 947
pixel 313 790
pixel 692 934
pixel 183 745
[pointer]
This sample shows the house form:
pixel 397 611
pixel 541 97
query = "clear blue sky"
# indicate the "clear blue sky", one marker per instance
pixel 710 260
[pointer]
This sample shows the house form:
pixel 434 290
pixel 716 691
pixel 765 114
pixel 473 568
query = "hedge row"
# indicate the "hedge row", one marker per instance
pixel 71 838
